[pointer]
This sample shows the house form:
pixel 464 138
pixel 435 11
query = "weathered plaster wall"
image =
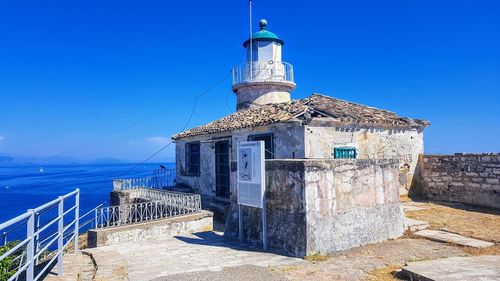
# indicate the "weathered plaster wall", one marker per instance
pixel 286 210
pixel 150 230
pixel 325 205
pixel 351 203
pixel 254 95
pixel 372 143
pixel 288 141
pixel 465 178
pixel 204 183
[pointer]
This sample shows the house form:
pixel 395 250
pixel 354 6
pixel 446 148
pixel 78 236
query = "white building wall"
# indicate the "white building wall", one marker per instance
pixel 371 143
pixel 294 140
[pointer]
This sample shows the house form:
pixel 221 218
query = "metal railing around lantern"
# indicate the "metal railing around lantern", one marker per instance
pixel 263 71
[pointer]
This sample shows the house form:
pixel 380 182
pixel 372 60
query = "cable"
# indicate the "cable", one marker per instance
pixel 185 125
pixel 121 130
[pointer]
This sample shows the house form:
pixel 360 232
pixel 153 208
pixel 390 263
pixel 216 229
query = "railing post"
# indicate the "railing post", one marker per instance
pixel 37 237
pixel 30 248
pixel 4 238
pixel 77 220
pixel 60 232
pixel 95 218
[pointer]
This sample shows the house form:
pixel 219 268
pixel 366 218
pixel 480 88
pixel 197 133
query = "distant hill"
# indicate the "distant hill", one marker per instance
pixel 6 160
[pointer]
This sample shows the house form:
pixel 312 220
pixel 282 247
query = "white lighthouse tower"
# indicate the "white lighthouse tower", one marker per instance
pixel 263 78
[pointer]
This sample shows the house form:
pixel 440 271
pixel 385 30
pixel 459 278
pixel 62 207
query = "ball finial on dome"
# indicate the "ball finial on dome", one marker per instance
pixel 262 24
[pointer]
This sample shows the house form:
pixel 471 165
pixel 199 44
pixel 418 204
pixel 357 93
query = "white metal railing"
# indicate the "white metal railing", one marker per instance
pixel 165 204
pixel 263 71
pixel 27 251
pixel 161 179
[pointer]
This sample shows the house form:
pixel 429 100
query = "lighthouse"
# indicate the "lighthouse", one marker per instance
pixel 264 78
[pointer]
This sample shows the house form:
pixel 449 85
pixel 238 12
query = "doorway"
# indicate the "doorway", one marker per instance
pixel 222 172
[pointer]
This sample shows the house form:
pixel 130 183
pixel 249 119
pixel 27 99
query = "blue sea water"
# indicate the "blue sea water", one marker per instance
pixel 22 188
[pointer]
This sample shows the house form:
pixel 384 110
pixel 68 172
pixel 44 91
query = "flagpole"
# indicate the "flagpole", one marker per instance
pixel 251 39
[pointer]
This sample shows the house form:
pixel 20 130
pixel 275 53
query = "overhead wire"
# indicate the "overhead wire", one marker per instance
pixel 112 133
pixel 185 125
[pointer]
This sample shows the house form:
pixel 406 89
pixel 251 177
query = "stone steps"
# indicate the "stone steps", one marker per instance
pixel 455 268
pixel 443 236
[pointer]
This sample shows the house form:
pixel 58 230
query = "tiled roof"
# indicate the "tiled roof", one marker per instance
pixel 335 109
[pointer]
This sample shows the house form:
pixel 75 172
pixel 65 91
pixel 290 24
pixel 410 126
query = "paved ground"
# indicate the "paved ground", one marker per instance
pixel 76 267
pixel 244 272
pixel 356 264
pixel 205 251
pixel 208 256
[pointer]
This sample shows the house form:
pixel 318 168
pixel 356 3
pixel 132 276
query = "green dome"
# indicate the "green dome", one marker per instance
pixel 264 35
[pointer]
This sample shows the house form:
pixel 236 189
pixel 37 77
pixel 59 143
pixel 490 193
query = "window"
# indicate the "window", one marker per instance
pixel 344 152
pixel 193 159
pixel 269 143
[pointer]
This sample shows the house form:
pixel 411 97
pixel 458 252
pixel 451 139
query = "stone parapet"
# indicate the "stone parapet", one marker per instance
pixel 465 178
pixel 157 229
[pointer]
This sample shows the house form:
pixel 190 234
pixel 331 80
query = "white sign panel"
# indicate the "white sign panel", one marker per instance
pixel 251 173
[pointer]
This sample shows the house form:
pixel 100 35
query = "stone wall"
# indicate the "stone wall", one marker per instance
pixel 163 228
pixel 466 178
pixel 323 206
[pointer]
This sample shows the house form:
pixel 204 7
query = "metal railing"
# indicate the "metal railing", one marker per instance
pixel 166 204
pixel 87 218
pixel 26 252
pixel 263 71
pixel 162 178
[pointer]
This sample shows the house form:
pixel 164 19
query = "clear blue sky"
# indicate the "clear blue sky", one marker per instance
pixel 72 71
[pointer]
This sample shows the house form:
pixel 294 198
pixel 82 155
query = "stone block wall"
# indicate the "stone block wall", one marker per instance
pixel 466 178
pixel 163 228
pixel 325 205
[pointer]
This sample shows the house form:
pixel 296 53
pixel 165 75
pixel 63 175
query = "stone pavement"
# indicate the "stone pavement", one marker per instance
pixel 456 269
pixel 75 267
pixel 355 264
pixel 414 225
pixel 205 251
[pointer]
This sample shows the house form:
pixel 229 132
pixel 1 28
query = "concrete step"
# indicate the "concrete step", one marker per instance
pixel 455 268
pixel 443 236
pixel 414 225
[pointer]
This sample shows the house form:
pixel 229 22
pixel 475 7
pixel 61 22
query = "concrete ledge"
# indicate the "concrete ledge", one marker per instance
pixel 164 228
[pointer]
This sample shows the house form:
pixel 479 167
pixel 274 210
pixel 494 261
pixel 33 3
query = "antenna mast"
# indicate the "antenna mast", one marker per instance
pixel 251 39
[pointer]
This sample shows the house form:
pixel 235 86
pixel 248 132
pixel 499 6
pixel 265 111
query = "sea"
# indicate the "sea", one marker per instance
pixel 26 187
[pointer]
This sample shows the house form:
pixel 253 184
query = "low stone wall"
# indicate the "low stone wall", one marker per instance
pixel 163 228
pixel 466 178
pixel 325 205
